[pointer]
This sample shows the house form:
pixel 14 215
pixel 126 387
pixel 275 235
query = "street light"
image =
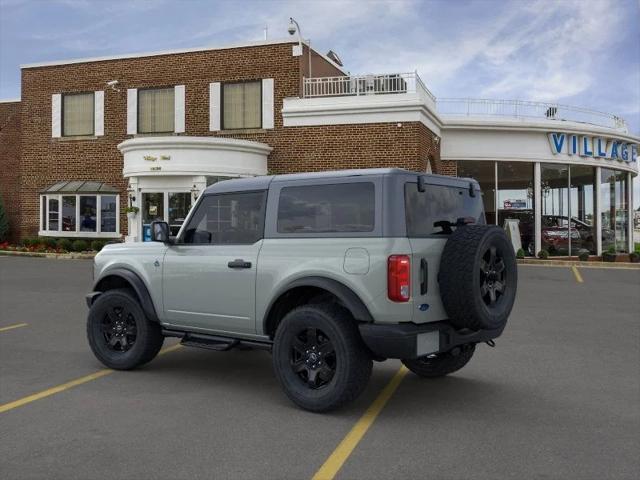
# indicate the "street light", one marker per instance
pixel 293 28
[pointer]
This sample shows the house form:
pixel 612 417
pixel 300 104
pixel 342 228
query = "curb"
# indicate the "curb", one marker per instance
pixel 58 256
pixel 577 263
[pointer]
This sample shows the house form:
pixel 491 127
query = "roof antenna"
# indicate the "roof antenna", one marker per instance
pixel 266 32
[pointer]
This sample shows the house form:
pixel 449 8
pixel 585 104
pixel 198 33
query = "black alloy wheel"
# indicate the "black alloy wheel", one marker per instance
pixel 313 357
pixel 119 328
pixel 492 276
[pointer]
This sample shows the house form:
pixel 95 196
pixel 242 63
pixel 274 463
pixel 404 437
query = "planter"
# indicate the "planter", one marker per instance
pixel 131 216
pixel 634 257
pixel 609 257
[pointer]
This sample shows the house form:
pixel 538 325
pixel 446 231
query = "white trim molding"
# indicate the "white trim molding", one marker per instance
pixel 391 108
pixel 98 111
pixel 56 115
pixel 132 111
pixel 214 107
pixel 185 155
pixel 179 109
pixel 267 103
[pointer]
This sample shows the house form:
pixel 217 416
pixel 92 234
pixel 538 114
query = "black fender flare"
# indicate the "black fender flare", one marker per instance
pixel 347 296
pixel 136 283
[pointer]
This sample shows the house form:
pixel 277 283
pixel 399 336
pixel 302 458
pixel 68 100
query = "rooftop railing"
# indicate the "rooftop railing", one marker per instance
pixel 398 83
pixel 472 107
pixel 356 85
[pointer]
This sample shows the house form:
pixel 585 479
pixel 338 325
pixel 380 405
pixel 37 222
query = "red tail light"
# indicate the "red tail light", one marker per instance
pixel 398 278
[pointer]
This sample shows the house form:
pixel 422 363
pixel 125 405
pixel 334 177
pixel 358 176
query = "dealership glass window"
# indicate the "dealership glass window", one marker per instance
pixel 236 218
pixel 77 114
pixel 614 210
pixel 581 205
pixel 242 105
pixel 156 110
pixel 88 214
pixel 77 214
pixel 108 213
pixel 69 213
pixel 555 208
pixel 515 200
pixel 327 208
pixel 485 174
pixel 54 205
pixel 179 205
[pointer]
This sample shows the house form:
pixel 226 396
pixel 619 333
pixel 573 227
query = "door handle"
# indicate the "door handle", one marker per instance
pixel 424 276
pixel 239 263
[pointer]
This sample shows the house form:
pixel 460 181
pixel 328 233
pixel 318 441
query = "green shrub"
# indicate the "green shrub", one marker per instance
pixel 583 254
pixel 543 254
pixel 634 257
pixel 4 223
pixel 97 245
pixel 611 249
pixel 29 242
pixel 79 246
pixel 65 244
pixel 520 253
pixel 48 242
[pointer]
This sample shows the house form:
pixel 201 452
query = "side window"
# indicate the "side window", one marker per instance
pixel 227 219
pixel 344 207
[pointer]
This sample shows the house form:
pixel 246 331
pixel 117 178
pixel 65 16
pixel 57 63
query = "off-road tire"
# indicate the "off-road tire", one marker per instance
pixel 148 336
pixel 463 277
pixel 352 362
pixel 440 364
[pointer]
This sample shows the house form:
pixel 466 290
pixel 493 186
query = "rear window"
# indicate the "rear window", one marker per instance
pixel 439 204
pixel 344 207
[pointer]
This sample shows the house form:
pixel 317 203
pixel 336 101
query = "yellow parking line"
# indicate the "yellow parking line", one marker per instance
pixel 66 386
pixel 11 327
pixel 340 455
pixel 576 274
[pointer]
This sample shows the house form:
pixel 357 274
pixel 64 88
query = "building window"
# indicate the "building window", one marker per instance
pixel 581 204
pixel 156 110
pixel 79 215
pixel 516 202
pixel 242 105
pixel 484 172
pixel 614 210
pixel 78 114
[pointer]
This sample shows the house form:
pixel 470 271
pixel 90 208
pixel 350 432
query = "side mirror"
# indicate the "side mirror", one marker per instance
pixel 160 232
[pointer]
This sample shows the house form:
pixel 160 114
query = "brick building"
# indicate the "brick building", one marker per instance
pixel 91 137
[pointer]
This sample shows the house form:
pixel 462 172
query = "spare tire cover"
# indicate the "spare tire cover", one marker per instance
pixel 478 277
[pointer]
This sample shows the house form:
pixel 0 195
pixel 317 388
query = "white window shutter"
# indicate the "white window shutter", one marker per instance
pixel 267 103
pixel 132 111
pixel 178 123
pixel 214 106
pixel 56 115
pixel 98 113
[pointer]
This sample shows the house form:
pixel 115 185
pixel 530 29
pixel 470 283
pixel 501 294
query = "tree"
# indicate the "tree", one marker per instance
pixel 4 222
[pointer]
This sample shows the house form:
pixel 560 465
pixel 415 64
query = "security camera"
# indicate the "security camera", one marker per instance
pixel 292 28
pixel 112 83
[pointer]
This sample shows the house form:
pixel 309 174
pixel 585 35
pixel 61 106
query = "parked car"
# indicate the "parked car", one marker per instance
pixel 328 271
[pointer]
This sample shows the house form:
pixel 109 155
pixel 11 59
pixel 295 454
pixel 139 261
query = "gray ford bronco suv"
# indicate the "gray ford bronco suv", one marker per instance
pixel 328 271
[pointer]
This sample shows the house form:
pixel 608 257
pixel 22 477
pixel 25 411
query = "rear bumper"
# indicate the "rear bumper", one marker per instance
pixel 409 340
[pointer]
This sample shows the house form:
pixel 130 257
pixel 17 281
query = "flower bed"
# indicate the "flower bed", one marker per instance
pixel 54 246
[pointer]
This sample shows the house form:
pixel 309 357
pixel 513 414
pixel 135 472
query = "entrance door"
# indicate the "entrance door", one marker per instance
pixel 209 275
pixel 170 207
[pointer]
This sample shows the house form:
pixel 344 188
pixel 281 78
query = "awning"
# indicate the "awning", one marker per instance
pixel 80 186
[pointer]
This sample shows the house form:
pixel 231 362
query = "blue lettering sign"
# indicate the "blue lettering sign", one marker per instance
pixel 634 153
pixel 573 146
pixel 601 150
pixel 614 150
pixel 586 148
pixel 624 152
pixel 557 142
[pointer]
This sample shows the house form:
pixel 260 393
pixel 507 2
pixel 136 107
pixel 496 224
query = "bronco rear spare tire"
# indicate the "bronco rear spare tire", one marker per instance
pixel 478 277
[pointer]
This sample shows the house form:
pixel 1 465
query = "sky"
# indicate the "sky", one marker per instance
pixel 582 52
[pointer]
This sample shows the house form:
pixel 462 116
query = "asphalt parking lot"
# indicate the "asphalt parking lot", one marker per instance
pixel 559 396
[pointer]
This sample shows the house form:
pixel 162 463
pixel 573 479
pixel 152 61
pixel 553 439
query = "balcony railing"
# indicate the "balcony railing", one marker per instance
pixel 356 85
pixel 472 107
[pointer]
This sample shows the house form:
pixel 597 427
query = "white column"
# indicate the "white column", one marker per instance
pixel 179 108
pixel 98 113
pixel 598 212
pixel 56 115
pixel 133 223
pixel 214 106
pixel 630 211
pixel 537 196
pixel 132 111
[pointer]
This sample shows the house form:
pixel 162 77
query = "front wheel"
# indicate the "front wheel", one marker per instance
pixel 440 364
pixel 119 333
pixel 319 357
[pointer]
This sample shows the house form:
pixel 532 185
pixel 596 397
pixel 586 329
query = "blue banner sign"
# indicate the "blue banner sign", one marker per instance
pixel 597 147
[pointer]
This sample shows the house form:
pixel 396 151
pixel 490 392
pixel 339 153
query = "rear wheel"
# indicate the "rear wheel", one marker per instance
pixel 440 364
pixel 319 357
pixel 119 333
